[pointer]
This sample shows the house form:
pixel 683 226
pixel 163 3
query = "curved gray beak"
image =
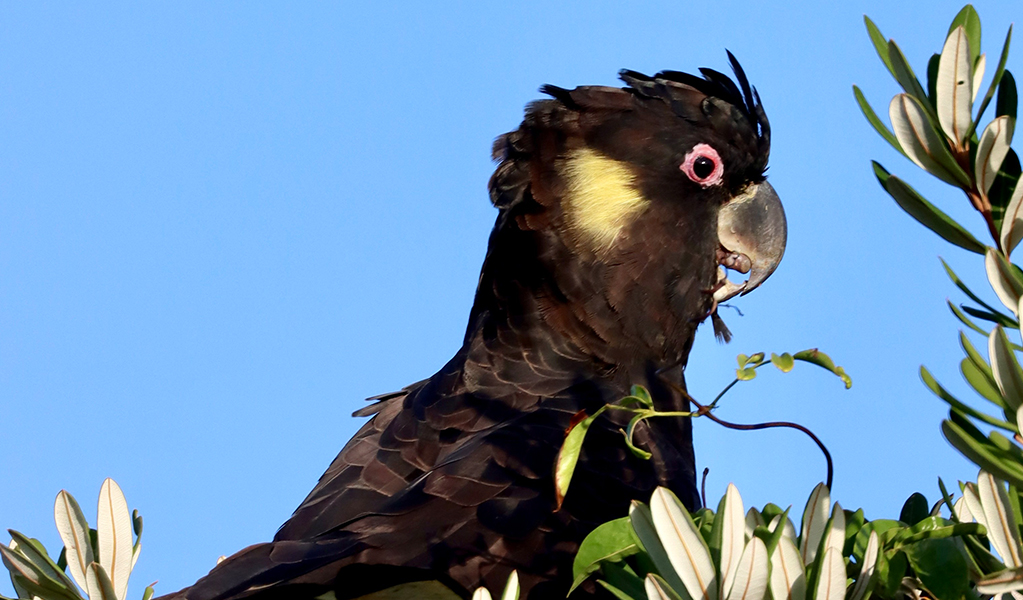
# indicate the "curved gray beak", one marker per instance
pixel 752 232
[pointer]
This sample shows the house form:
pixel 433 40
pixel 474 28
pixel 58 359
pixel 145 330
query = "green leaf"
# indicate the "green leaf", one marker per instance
pixel 964 319
pixel 629 431
pixel 74 532
pixel 816 357
pixel 511 588
pixel 996 79
pixel 1004 278
pixel 745 374
pixel 658 589
pixel 975 357
pixel 784 361
pixel 686 548
pixel 968 440
pixel 954 402
pixel 918 133
pixel 926 213
pixel 1005 368
pixel 880 44
pixel 1004 581
pixel 941 566
pixel 915 509
pixel 1007 98
pixel 610 542
pixel 876 122
pixel 113 527
pixel 892 572
pixel 991 152
pixel 42 590
pixel 934 528
pixel 148 593
pixel 621 594
pixel 568 456
pixel 815 522
pixel 100 585
pixel 775 536
pixel 643 526
pixel 969 20
pixel 954 90
pixel 907 79
pixel 981 383
pixel 854 521
pixel 34 551
pixel 33 577
pixel 962 287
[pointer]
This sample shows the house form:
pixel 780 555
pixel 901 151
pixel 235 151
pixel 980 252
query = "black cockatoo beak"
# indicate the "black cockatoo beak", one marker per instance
pixel 752 232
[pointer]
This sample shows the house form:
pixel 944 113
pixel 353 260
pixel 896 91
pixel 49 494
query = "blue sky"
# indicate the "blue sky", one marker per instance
pixel 223 226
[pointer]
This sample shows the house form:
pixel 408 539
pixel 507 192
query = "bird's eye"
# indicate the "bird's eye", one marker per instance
pixel 703 165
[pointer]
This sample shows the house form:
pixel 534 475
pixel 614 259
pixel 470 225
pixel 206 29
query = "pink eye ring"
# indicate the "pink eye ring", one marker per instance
pixel 703 165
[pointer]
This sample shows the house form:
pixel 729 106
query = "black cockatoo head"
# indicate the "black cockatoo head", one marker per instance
pixel 620 208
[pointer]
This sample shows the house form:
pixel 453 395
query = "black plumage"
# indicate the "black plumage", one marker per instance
pixel 601 265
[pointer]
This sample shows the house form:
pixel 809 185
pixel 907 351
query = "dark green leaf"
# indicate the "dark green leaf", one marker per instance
pixel 926 213
pixel 970 22
pixel 941 566
pixel 1007 99
pixel 932 77
pixel 916 508
pixel 880 44
pixel 1004 185
pixel 998 318
pixel 610 542
pixel 877 123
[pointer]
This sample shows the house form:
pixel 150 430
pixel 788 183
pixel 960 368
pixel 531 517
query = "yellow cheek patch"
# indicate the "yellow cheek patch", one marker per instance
pixel 602 198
